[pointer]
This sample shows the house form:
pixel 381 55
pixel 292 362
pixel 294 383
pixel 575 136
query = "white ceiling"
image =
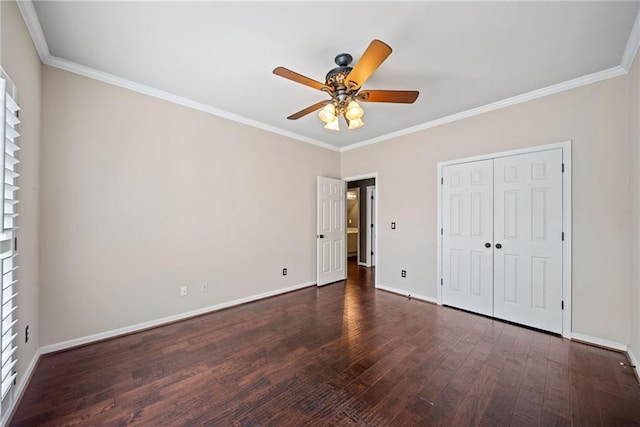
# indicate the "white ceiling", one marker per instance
pixel 460 56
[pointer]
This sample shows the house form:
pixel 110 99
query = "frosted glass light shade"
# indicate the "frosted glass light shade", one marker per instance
pixel 333 124
pixel 328 113
pixel 354 111
pixel 355 124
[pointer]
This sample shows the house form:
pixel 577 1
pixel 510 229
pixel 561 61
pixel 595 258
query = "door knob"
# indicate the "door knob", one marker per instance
pixel 498 245
pixel 487 245
pixel 321 236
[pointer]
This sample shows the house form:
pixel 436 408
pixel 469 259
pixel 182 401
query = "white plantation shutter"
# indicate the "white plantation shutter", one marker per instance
pixel 8 238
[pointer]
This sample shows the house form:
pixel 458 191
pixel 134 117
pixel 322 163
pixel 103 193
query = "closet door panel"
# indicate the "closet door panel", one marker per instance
pixel 467 226
pixel 528 229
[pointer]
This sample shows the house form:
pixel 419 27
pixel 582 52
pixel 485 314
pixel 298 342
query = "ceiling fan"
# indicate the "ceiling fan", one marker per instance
pixel 343 84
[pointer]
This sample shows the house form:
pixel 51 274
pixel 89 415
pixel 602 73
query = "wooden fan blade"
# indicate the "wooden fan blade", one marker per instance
pixel 308 110
pixel 371 59
pixel 298 78
pixel 397 96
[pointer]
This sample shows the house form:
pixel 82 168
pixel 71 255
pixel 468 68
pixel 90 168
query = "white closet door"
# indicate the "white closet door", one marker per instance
pixel 467 230
pixel 528 239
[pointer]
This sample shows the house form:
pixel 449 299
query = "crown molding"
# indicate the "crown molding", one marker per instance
pixel 32 22
pixel 519 99
pixel 633 43
pixel 94 74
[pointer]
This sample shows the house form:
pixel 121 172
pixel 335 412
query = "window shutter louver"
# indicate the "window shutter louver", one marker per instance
pixel 9 136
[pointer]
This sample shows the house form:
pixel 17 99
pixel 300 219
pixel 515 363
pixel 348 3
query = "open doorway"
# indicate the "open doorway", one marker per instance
pixel 361 220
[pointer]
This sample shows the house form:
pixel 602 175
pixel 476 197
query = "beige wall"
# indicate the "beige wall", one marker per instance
pixel 634 139
pixel 595 117
pixel 141 196
pixel 20 60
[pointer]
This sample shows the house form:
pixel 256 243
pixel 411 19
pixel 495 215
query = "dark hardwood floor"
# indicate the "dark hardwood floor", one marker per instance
pixel 341 354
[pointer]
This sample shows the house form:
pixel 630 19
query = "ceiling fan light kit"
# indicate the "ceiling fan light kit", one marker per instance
pixel 343 84
pixel 352 114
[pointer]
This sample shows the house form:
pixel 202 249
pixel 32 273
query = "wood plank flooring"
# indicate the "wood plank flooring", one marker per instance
pixel 344 354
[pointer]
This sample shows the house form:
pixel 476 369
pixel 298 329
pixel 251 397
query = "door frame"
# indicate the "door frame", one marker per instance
pixel 376 200
pixel 566 219
pixel 357 190
pixel 371 218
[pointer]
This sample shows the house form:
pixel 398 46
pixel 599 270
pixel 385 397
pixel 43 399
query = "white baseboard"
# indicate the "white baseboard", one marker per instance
pixel 407 294
pixel 18 391
pixel 599 342
pixel 634 362
pixel 363 264
pixel 169 319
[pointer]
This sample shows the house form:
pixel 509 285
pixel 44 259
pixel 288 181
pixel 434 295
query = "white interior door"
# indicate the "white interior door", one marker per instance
pixel 467 236
pixel 331 235
pixel 528 239
pixel 371 229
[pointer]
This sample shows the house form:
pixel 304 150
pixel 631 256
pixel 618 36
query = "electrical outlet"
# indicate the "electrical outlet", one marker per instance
pixel 284 271
pixel 205 288
pixel 403 273
pixel 393 225
pixel 183 291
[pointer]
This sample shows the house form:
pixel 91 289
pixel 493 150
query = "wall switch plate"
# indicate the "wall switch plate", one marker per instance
pixel 183 291
pixel 393 225
pixel 284 271
pixel 205 288
pixel 403 273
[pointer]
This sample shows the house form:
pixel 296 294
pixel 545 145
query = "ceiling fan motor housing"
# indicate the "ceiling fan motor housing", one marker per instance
pixel 336 77
pixel 335 80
